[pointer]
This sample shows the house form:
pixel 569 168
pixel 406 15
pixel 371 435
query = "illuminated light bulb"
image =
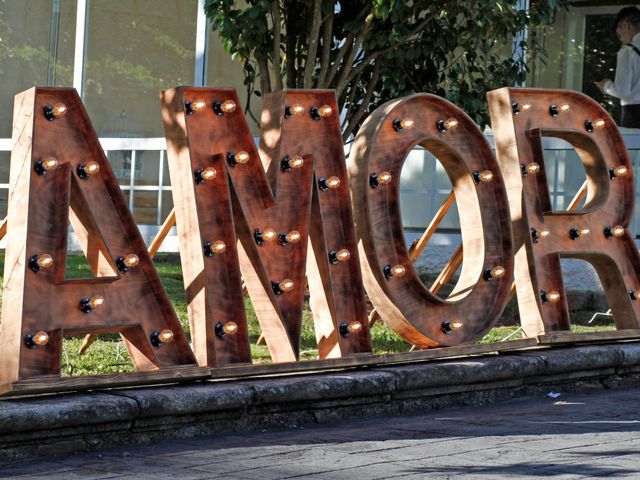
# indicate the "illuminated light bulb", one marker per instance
pixel 56 111
pixel 516 108
pixel 393 271
pixel 125 263
pixel 538 234
pixel 404 124
pixel 35 340
pixel 160 338
pixel 318 113
pixel 619 171
pixel 452 326
pixel 634 295
pixel 444 125
pixel 549 297
pixel 347 328
pixel 41 167
pixel 484 176
pixel 615 231
pixel 330 183
pixel 289 163
pixel 87 169
pixel 205 175
pixel 40 261
pixel 88 305
pixel 530 168
pixel 339 256
pixel 268 235
pixel 193 106
pixel 382 178
pixel 216 248
pixel 575 233
pixel 591 125
pixel 291 110
pixel 228 328
pixel 555 110
pixel 283 286
pixel 495 272
pixel 220 108
pixel 241 158
pixel 293 236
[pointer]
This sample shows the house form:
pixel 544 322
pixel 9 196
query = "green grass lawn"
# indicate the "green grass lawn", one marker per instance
pixel 108 354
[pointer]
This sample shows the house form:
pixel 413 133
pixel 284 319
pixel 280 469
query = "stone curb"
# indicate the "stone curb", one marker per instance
pixel 77 422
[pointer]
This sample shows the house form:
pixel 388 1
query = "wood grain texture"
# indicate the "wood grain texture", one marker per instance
pixel 404 303
pixel 40 209
pixel 609 202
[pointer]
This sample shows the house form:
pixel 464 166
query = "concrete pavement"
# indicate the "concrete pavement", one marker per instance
pixel 575 436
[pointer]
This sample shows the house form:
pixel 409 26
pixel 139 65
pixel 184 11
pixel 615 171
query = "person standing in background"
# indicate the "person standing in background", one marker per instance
pixel 626 85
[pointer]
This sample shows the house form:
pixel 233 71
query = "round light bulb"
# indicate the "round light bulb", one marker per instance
pixel 497 271
pixel 398 271
pixel 553 296
pixel 91 168
pixel 533 168
pixel 96 301
pixel 218 247
pixel 620 171
pixel 343 255
pixel 230 328
pixel 296 109
pixel 564 107
pixel 165 336
pixel 451 123
pixel 40 338
pixel 286 285
pixel 598 123
pixel 354 327
pixel 131 260
pixel 617 230
pixel 44 261
pixel 198 105
pixel 325 111
pixel 486 176
pixel 544 233
pixel 296 161
pixel 242 157
pixel 228 106
pixel 293 236
pixel 208 173
pixel 50 163
pixel 59 110
pixel 269 234
pixel 332 182
pixel 524 107
pixel 384 178
pixel 584 231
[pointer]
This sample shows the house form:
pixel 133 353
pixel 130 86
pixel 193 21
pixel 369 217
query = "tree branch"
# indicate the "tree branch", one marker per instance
pixel 325 57
pixel 312 49
pixel 348 64
pixel 344 49
pixel 263 69
pixel 277 29
pixel 357 116
pixel 290 53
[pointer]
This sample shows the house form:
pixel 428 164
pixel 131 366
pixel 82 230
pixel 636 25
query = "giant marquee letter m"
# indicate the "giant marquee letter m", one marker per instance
pixel 295 188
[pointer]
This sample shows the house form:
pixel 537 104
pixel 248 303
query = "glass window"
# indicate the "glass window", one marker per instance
pixel 135 49
pixel 37 41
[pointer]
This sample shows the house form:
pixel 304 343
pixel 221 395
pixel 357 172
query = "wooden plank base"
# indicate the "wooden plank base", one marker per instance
pixel 48 385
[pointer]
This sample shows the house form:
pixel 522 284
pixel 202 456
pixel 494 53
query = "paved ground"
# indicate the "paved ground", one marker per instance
pixel 573 436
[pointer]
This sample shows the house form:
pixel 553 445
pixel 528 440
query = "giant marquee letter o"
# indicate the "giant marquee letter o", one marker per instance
pixel 403 302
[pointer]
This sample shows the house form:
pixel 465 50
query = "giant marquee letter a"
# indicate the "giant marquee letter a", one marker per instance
pixel 598 233
pixel 59 174
pixel 273 195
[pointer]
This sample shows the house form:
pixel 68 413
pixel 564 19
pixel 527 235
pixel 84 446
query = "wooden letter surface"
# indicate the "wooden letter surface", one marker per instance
pixel 520 119
pixel 402 301
pixel 40 208
pixel 282 189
